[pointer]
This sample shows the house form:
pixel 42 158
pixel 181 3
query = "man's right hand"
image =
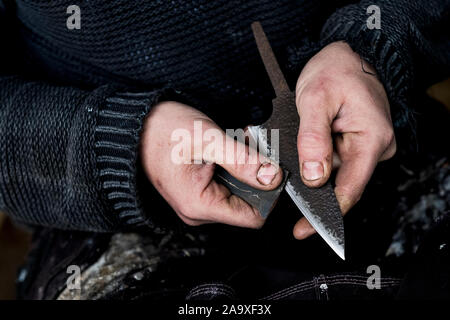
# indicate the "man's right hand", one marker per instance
pixel 188 187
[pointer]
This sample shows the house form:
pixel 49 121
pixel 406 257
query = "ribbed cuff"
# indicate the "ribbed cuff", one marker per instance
pixel 382 52
pixel 119 124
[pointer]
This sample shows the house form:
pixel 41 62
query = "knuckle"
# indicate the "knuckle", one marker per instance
pixel 312 96
pixel 394 147
pixel 258 224
pixel 372 146
pixel 378 139
pixel 310 139
pixel 187 220
pixel 320 85
pixel 385 142
pixel 310 136
pixel 315 92
pixel 192 223
pixel 388 136
pixel 350 193
pixel 390 152
pixel 190 212
pixel 357 197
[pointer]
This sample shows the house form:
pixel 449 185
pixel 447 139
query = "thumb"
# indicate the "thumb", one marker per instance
pixel 249 166
pixel 241 161
pixel 314 143
pixel 245 163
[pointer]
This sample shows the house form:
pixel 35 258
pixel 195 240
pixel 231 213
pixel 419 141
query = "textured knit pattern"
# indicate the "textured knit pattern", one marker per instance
pixel 116 139
pixel 411 50
pixel 69 152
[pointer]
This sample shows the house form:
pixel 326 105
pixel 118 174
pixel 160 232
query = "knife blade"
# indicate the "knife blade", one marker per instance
pixel 318 205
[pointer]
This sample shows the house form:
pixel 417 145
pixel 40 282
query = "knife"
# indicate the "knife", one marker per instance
pixel 318 205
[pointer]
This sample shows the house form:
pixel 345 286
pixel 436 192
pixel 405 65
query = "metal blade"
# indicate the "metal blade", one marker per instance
pixel 262 200
pixel 327 223
pixel 319 205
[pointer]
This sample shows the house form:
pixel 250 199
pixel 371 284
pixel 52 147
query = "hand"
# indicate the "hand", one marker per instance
pixel 335 97
pixel 189 188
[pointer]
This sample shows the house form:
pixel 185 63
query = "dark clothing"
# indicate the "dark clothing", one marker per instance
pixel 401 225
pixel 69 153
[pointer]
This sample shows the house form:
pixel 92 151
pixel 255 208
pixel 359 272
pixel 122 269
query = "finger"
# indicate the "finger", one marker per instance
pixel 359 158
pixel 314 142
pixel 351 179
pixel 247 165
pixel 359 155
pixel 219 205
pixel 303 229
pixel 336 161
pixel 189 221
pixel 390 150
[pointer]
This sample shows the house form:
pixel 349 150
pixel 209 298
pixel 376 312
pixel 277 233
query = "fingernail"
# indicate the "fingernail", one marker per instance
pixel 312 170
pixel 266 173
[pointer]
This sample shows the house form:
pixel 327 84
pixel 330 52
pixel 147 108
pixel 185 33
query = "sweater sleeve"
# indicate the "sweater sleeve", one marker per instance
pixel 410 50
pixel 68 157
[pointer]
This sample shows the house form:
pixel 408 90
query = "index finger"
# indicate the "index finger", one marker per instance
pixel 223 207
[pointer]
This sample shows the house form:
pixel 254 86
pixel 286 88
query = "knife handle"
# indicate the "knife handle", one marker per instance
pixel 262 200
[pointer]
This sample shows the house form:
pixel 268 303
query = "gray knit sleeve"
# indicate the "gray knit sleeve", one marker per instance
pixel 68 157
pixel 409 51
pixel 117 133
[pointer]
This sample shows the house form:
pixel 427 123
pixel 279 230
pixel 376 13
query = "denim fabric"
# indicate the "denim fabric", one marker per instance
pixel 321 288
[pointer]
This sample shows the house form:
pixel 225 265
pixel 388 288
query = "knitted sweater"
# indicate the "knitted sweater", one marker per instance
pixel 72 101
